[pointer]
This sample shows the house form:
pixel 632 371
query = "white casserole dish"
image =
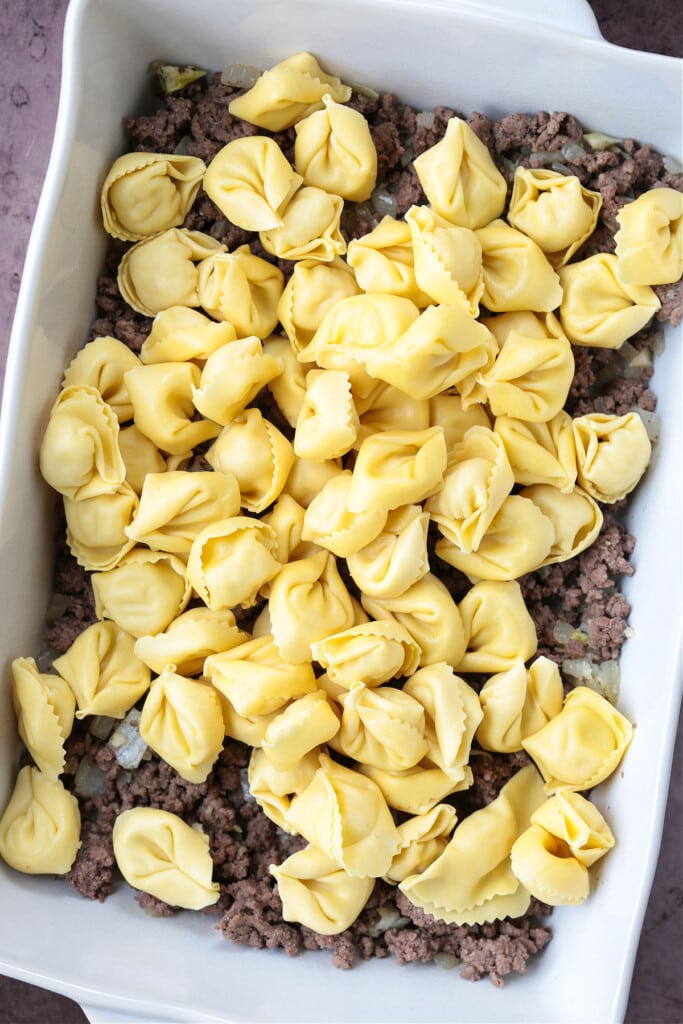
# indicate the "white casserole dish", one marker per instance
pixel 471 57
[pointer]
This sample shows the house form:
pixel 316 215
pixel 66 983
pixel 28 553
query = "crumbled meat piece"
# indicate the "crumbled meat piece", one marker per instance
pixel 671 298
pixel 92 873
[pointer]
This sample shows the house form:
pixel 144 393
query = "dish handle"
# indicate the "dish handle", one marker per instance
pixel 575 16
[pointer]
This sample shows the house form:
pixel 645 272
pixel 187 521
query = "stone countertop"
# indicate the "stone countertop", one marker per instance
pixel 30 53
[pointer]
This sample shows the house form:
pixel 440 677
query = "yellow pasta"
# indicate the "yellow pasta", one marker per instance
pixel 649 242
pixel 259 455
pixel 40 827
pixel 161 271
pixel 288 92
pixel 318 893
pixel 160 854
pixel 612 454
pixel 460 179
pixel 230 560
pixel 251 181
pixel 163 409
pixel 334 150
pixel 554 209
pixel 44 705
pixel 241 288
pixel 145 193
pixel 598 308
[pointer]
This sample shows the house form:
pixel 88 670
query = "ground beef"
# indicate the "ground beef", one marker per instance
pixel 583 592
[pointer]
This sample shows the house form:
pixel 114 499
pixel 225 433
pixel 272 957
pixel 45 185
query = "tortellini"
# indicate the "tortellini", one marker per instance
pixel 387 408
pixel 177 505
pixel 103 671
pixel 460 179
pixel 288 92
pixel 327 424
pixel 161 271
pixel 477 482
pixel 431 616
pixel 79 451
pixel 230 560
pixel 555 210
pixel 145 193
pixel 374 652
pixel 318 893
pixel 381 727
pixel 189 640
pixel 417 790
pixel 649 242
pixel 102 364
pixel 312 289
pixel 447 258
pixel 310 227
pixel 397 558
pixel 163 410
pixel 160 854
pixel 180 334
pixel 334 150
pixel 251 181
pixel 330 524
pixel 397 467
pixel 304 725
pixel 344 814
pixel 518 540
pixel 452 714
pixel 308 601
pixel 289 387
pixel 96 527
pixel 241 288
pixel 257 454
pixel 540 453
pixel 472 881
pixel 231 377
pixel 497 626
pixel 44 705
pixel 256 679
pixel 517 273
pixel 423 839
pixel 182 721
pixel 533 369
pixel 598 308
pixel 576 519
pixel 383 261
pixel 582 745
pixel 143 593
pixel 567 834
pixel 40 827
pixel 517 703
pixel 273 788
pixel 612 453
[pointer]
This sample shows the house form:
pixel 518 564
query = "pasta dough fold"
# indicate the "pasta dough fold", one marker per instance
pixel 102 364
pixel 145 193
pixel 288 92
pixel 182 721
pixel 310 227
pixel 517 703
pixel 256 679
pixel 374 651
pixel 161 271
pixel 581 746
pixel 40 827
pixel 251 181
pixel 382 727
pixel 189 640
pixel 257 454
pixel 460 179
pixel 497 626
pixel 143 593
pixel 553 209
pixel 612 453
pixel 397 558
pixel 44 705
pixel 177 505
pixel 334 150
pixel 319 894
pixel 397 467
pixel 517 274
pixel 160 854
pixel 180 334
pixel 231 377
pixel 230 560
pixel 241 288
pixel 163 409
pixel 329 523
pixel 649 242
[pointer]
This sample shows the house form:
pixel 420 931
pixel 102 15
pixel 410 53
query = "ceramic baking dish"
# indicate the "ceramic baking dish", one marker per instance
pixel 472 57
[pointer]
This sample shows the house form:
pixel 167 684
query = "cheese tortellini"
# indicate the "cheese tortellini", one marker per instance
pixel 161 271
pixel 182 721
pixel 145 193
pixel 612 453
pixel 555 210
pixel 251 181
pixel 649 242
pixel 44 704
pixel 460 179
pixel 41 825
pixel 334 151
pixel 288 92
pixel 160 854
pixel 318 893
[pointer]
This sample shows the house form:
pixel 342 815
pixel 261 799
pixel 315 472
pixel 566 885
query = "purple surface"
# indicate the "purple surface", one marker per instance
pixel 30 56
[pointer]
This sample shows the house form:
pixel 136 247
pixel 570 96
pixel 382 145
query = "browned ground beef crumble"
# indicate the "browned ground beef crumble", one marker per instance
pixel 583 592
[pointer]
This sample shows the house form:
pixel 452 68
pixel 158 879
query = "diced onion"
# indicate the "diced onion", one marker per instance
pixel 603 677
pixel 651 421
pixel 425 119
pixel 240 76
pixel 89 781
pixel 389 917
pixel 127 743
